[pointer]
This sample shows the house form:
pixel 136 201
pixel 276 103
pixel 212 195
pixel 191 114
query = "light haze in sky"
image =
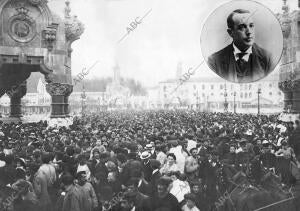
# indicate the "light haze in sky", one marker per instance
pixel 169 34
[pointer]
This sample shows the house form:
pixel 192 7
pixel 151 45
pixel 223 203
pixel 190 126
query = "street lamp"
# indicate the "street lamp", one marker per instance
pixel 83 98
pixel 197 99
pixel 258 104
pixel 225 100
pixel 234 105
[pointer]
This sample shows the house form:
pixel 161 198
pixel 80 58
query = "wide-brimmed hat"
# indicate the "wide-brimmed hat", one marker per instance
pixel 145 155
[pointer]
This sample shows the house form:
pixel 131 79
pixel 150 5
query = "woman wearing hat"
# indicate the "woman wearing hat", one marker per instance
pixel 170 165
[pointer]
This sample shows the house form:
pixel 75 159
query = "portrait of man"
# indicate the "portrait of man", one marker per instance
pixel 242 60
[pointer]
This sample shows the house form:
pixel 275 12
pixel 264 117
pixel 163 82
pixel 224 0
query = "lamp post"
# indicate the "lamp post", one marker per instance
pixel 234 105
pixel 83 98
pixel 225 100
pixel 197 101
pixel 258 99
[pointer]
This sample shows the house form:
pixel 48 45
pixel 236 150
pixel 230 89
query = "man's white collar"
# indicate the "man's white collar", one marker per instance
pixel 236 51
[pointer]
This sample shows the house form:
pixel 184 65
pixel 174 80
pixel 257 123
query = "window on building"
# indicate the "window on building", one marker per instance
pixel 270 85
pixel 212 94
pixel 203 95
pixel 250 94
pixel 203 86
pixel 250 85
pixel 246 94
pixel 165 88
pixel 231 87
pixel 279 93
pixel 241 95
pixel 221 86
pixel 270 93
pixel 212 86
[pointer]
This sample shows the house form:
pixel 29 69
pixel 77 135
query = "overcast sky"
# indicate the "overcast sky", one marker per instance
pixel 168 34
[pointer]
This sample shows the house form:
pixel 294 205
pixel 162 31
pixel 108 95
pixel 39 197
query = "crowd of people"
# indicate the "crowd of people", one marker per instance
pixel 142 161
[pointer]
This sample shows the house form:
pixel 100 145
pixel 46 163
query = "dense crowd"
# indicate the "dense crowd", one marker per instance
pixel 142 161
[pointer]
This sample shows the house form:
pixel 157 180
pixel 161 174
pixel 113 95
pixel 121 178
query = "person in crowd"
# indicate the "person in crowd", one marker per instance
pixel 191 164
pixel 179 187
pixel 197 144
pixel 82 166
pixel 87 190
pixel 190 204
pixel 170 165
pixel 141 201
pixel 164 199
pixel 74 199
pixel 43 183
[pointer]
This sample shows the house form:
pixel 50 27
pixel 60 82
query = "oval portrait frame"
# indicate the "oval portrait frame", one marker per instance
pixel 214 38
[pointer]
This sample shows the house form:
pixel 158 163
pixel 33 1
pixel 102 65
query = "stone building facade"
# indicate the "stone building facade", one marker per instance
pixel 34 39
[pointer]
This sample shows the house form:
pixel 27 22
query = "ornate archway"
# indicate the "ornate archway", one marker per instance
pixel 35 40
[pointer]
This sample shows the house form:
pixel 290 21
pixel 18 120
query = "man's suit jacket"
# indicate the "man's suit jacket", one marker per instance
pixel 153 182
pixel 224 64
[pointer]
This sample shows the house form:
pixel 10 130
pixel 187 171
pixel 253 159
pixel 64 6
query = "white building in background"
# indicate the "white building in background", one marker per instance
pixel 209 94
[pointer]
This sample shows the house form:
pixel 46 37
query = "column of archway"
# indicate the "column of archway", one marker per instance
pixel 59 99
pixel 16 93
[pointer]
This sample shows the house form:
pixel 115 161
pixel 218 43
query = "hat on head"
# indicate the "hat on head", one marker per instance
pixel 145 155
pixel 148 147
pixel 265 142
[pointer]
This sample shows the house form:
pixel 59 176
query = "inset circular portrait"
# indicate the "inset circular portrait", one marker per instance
pixel 242 41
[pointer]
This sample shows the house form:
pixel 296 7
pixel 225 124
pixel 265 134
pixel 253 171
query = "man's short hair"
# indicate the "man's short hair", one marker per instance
pixel 133 181
pixel 230 23
pixel 67 179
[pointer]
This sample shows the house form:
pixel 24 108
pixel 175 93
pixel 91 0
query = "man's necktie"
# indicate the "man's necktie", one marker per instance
pixel 241 70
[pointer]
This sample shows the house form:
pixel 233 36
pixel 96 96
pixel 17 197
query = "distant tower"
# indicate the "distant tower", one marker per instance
pixel 179 70
pixel 117 74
